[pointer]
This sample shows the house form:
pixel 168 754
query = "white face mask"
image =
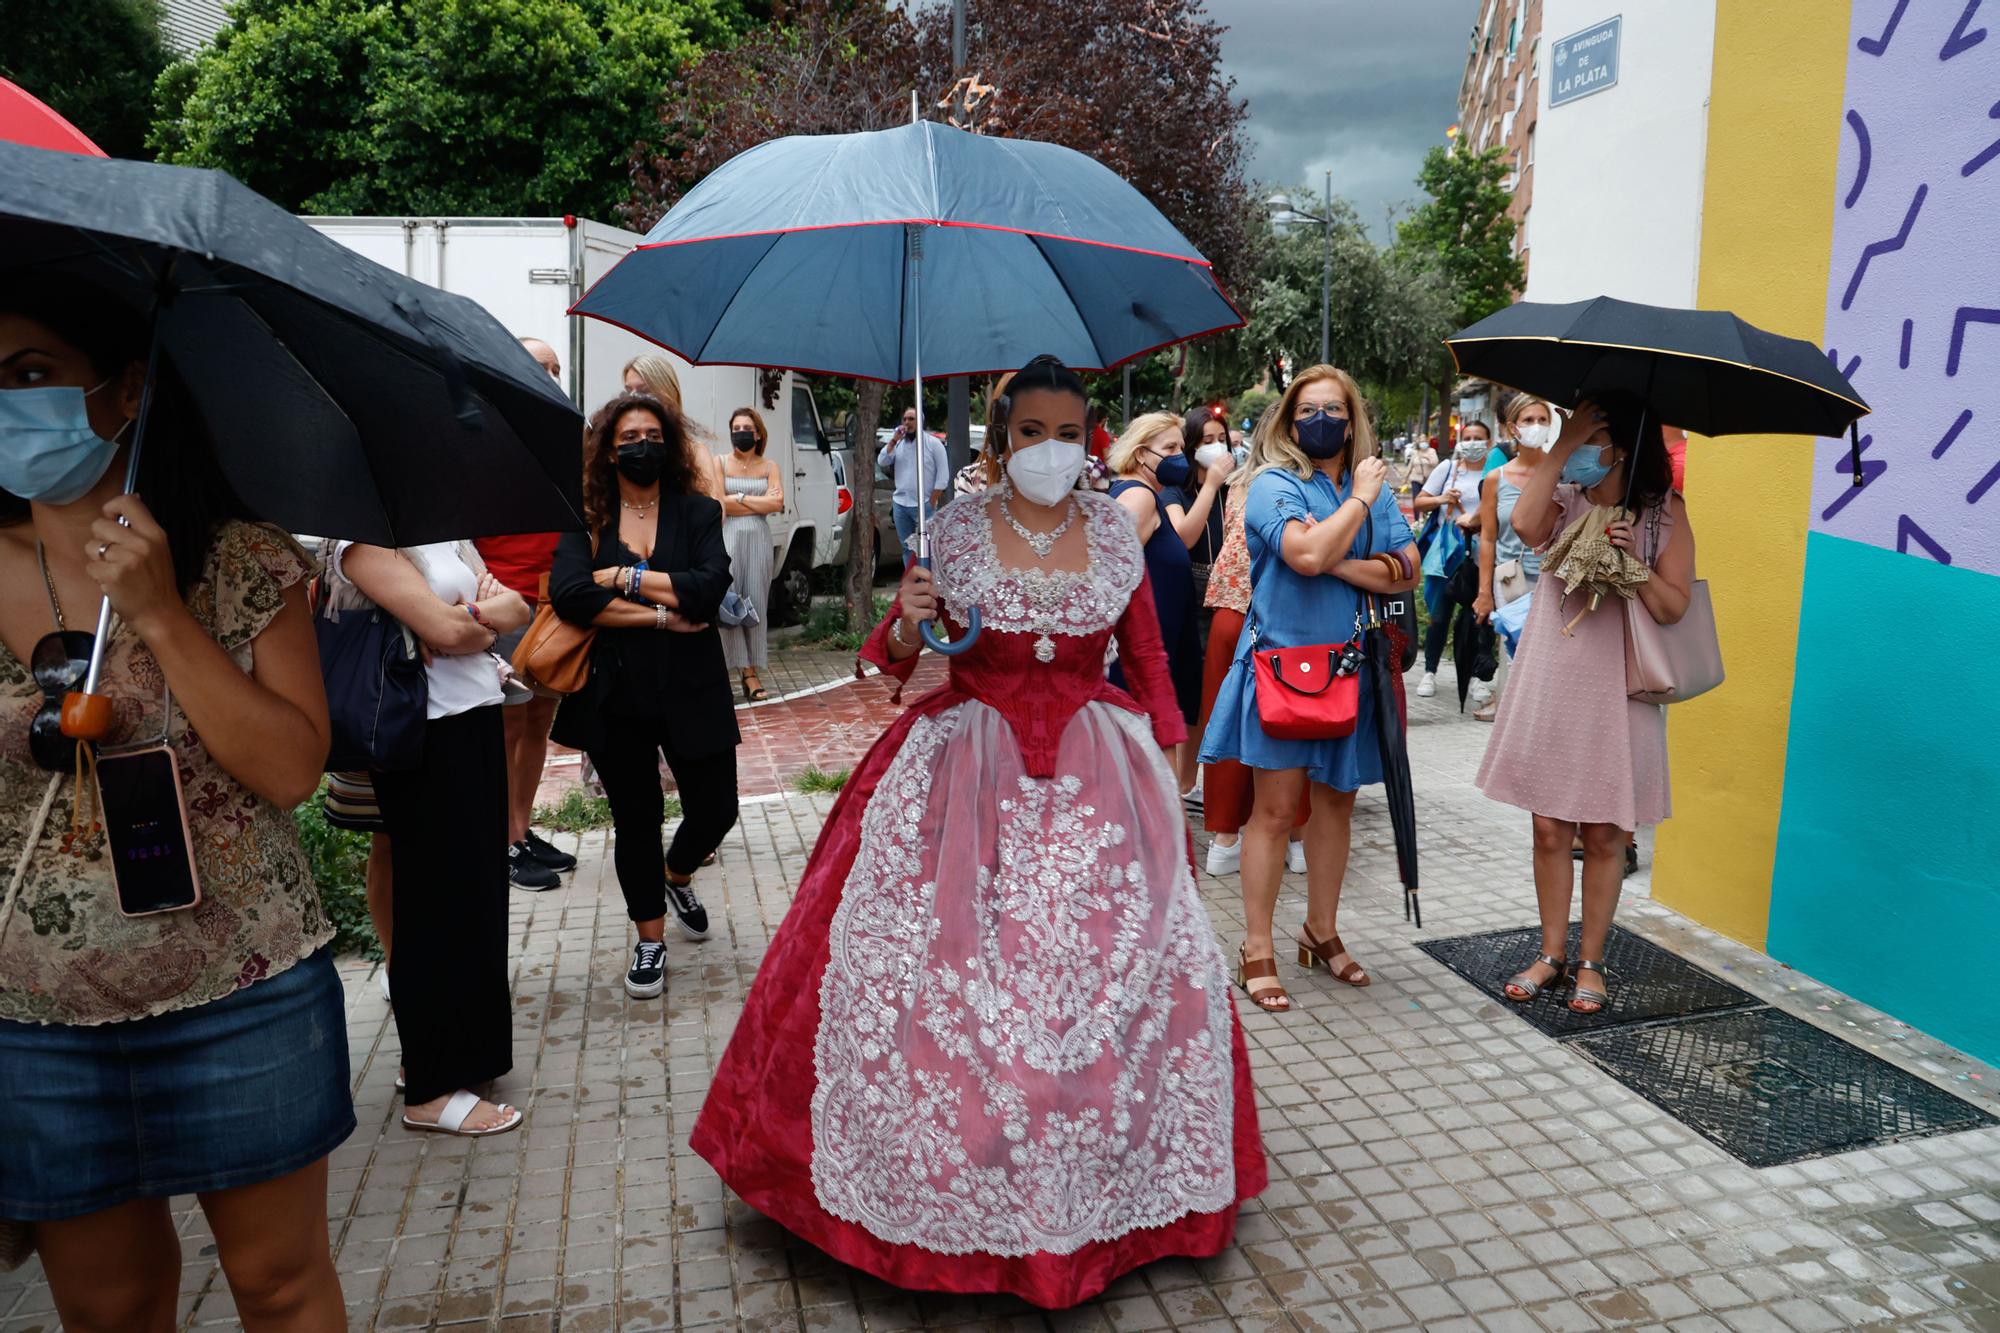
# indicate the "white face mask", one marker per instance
pixel 1208 455
pixel 1046 472
pixel 1535 436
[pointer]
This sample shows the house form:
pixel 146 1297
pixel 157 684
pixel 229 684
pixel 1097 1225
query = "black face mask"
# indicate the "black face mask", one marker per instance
pixel 743 441
pixel 642 463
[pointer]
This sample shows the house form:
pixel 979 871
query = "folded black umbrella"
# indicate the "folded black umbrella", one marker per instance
pixel 1702 370
pixel 344 399
pixel 1393 742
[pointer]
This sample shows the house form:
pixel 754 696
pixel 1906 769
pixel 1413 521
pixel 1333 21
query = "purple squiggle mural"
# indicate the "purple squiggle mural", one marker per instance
pixel 1914 287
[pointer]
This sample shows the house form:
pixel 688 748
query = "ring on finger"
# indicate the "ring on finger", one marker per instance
pixel 102 549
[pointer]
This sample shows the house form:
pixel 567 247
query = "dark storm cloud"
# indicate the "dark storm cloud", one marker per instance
pixel 1359 86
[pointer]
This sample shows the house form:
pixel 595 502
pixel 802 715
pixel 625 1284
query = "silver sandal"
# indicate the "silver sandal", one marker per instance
pixel 1530 990
pixel 1598 1003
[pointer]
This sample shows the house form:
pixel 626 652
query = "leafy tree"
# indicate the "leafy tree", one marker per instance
pixel 1133 83
pixel 95 61
pixel 1387 315
pixel 1463 232
pixel 446 106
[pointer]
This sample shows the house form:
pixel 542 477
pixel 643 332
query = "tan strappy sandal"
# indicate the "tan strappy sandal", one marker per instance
pixel 1317 953
pixel 1259 979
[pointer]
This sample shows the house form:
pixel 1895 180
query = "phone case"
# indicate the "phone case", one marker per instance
pixel 180 804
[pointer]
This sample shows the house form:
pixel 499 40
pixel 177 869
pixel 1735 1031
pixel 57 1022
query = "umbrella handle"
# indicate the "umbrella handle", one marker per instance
pixel 937 642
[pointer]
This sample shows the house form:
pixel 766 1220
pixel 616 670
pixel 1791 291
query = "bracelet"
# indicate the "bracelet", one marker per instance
pixel 632 583
pixel 896 633
pixel 472 609
pixel 660 616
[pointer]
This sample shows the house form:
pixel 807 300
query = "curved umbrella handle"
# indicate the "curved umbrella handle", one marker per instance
pixel 937 642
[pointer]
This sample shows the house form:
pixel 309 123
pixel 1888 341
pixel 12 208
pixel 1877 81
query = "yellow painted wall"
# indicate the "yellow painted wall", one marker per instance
pixel 1767 234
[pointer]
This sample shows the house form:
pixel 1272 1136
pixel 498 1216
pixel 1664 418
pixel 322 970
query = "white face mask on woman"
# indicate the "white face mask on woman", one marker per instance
pixel 1046 472
pixel 1535 436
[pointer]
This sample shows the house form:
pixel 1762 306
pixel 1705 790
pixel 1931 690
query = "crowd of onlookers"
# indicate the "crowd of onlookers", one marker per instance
pixel 200 1048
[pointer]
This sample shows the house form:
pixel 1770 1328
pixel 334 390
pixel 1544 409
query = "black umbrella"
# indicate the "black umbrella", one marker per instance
pixel 1385 683
pixel 1393 741
pixel 344 399
pixel 1702 370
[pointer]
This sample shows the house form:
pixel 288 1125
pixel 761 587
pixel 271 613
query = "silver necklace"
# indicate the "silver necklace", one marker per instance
pixel 1041 542
pixel 639 509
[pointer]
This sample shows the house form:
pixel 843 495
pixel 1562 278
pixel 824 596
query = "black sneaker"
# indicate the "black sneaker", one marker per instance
pixel 648 976
pixel 525 872
pixel 550 855
pixel 688 910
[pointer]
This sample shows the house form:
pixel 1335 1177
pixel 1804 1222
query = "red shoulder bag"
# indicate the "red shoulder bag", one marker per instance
pixel 1307 694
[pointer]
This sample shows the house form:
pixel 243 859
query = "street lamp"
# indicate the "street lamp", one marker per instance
pixel 1284 213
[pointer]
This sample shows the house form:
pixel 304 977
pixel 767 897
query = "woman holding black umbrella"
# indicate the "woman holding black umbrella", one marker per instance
pixel 1569 746
pixel 199 1047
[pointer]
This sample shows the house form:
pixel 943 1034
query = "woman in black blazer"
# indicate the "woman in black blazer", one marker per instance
pixel 650 576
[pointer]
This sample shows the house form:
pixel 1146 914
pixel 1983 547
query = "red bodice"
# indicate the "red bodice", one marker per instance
pixel 1069 618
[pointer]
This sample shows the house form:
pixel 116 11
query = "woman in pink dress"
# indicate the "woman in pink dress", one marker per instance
pixel 992 1048
pixel 1568 745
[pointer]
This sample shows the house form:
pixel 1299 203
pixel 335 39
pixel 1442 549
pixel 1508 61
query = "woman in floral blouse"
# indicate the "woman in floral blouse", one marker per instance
pixel 199 1051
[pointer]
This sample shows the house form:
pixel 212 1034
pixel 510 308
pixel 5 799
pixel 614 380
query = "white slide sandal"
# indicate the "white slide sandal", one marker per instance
pixel 452 1119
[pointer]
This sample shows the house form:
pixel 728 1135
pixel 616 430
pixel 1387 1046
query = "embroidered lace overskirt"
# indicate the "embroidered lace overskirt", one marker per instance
pixel 1024 1031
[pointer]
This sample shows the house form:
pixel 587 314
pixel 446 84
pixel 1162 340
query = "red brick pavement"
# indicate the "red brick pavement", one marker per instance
pixel 829 729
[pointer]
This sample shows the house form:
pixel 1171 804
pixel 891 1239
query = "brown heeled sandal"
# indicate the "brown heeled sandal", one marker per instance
pixel 1321 953
pixel 1271 996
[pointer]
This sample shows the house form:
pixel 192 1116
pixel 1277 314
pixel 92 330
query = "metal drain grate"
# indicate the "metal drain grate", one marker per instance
pixel 1647 982
pixel 1769 1088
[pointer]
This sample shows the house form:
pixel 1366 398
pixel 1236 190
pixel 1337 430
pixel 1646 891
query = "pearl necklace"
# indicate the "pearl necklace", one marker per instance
pixel 1041 542
pixel 639 509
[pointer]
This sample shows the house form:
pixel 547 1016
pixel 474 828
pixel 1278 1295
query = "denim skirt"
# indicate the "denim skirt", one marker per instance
pixel 243 1089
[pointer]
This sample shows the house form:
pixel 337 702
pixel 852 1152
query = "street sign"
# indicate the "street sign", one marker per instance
pixel 1585 62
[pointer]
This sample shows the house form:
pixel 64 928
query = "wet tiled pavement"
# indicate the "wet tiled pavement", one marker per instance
pixel 1436 1163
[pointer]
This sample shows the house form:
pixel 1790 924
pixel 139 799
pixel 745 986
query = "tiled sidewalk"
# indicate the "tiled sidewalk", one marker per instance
pixel 1436 1164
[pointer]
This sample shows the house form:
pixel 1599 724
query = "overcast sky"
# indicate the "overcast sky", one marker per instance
pixel 1360 86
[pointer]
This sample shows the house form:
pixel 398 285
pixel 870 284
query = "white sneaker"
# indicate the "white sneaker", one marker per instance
pixel 1225 860
pixel 1480 692
pixel 1428 686
pixel 1295 857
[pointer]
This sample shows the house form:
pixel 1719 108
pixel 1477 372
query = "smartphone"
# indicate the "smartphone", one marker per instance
pixel 145 821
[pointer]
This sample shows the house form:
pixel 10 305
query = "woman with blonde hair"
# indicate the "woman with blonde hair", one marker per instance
pixel 1508 566
pixel 1151 446
pixel 1317 515
pixel 655 376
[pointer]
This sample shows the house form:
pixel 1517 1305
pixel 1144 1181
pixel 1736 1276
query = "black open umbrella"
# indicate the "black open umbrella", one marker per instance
pixel 1702 370
pixel 344 399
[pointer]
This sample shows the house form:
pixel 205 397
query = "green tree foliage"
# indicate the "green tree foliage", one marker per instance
pixel 1462 231
pixel 1387 314
pixel 95 61
pixel 524 107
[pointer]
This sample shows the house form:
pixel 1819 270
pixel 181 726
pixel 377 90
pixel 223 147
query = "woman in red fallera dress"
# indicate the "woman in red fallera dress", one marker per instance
pixel 992 1046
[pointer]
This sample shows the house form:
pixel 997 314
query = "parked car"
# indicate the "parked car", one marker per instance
pixel 888 551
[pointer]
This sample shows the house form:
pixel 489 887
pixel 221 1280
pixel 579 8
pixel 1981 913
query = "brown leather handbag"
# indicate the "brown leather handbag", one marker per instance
pixel 553 657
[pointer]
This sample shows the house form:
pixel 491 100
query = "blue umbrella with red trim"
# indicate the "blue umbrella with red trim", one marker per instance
pixel 920 250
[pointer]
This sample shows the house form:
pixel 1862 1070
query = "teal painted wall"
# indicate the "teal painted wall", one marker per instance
pixel 1887 880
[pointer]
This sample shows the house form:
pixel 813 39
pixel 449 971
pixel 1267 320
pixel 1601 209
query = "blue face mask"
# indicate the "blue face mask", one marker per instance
pixel 1322 435
pixel 48 452
pixel 1588 465
pixel 1173 470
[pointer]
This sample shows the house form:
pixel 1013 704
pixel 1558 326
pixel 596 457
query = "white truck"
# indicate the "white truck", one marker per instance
pixel 528 272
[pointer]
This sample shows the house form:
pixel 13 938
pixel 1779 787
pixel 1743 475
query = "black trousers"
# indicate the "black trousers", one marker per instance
pixel 447 826
pixel 628 763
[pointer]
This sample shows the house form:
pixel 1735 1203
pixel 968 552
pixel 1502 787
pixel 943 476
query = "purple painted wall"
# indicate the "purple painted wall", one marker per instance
pixel 1913 295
